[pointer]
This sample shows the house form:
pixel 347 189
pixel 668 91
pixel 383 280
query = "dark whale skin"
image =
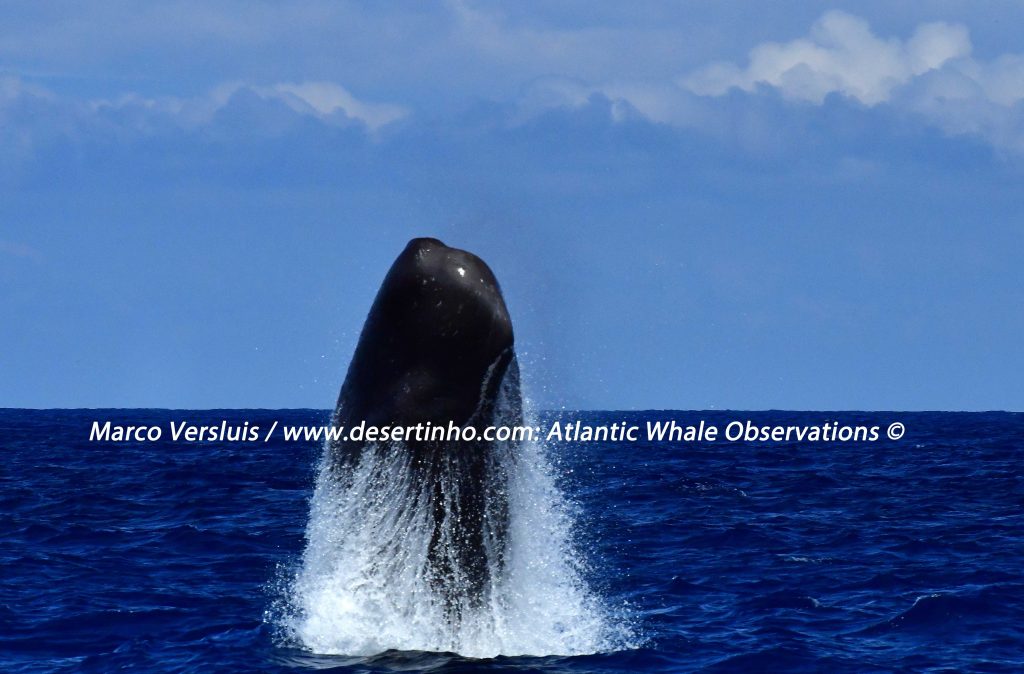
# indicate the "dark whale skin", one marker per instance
pixel 437 346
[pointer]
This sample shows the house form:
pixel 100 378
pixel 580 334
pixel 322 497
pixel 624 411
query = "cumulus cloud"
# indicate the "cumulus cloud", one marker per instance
pixel 41 128
pixel 326 101
pixel 32 116
pixel 927 79
pixel 930 77
pixel 841 55
pixel 981 100
pixel 564 93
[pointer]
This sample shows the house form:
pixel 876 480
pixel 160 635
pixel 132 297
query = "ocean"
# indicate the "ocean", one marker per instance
pixel 855 556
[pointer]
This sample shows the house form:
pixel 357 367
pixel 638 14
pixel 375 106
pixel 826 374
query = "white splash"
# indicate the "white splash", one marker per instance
pixel 363 585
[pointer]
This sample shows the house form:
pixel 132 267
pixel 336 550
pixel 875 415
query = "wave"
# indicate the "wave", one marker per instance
pixel 364 583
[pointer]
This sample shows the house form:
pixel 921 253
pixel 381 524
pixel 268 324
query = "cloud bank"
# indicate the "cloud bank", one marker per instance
pixel 841 55
pixel 930 78
pixel 931 74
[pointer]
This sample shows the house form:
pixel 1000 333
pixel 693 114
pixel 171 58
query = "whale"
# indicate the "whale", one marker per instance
pixel 437 347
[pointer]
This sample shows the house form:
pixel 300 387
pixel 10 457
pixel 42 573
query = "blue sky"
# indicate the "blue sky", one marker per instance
pixel 689 205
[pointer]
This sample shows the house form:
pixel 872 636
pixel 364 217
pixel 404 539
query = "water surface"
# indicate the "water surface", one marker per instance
pixel 721 557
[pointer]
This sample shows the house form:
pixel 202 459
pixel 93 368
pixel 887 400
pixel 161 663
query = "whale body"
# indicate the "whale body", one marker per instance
pixel 437 347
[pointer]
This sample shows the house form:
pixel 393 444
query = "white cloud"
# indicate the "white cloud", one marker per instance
pixel 974 100
pixel 326 99
pixel 34 119
pixel 660 102
pixel 323 100
pixel 559 92
pixel 930 76
pixel 841 55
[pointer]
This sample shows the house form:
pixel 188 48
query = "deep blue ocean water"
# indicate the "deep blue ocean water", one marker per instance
pixel 731 557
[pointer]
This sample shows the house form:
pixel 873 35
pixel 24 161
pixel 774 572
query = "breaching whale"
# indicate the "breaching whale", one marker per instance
pixel 437 346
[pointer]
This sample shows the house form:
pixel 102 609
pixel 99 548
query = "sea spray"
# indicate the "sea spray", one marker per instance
pixel 364 584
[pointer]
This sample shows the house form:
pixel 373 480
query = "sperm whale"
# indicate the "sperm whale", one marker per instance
pixel 437 347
